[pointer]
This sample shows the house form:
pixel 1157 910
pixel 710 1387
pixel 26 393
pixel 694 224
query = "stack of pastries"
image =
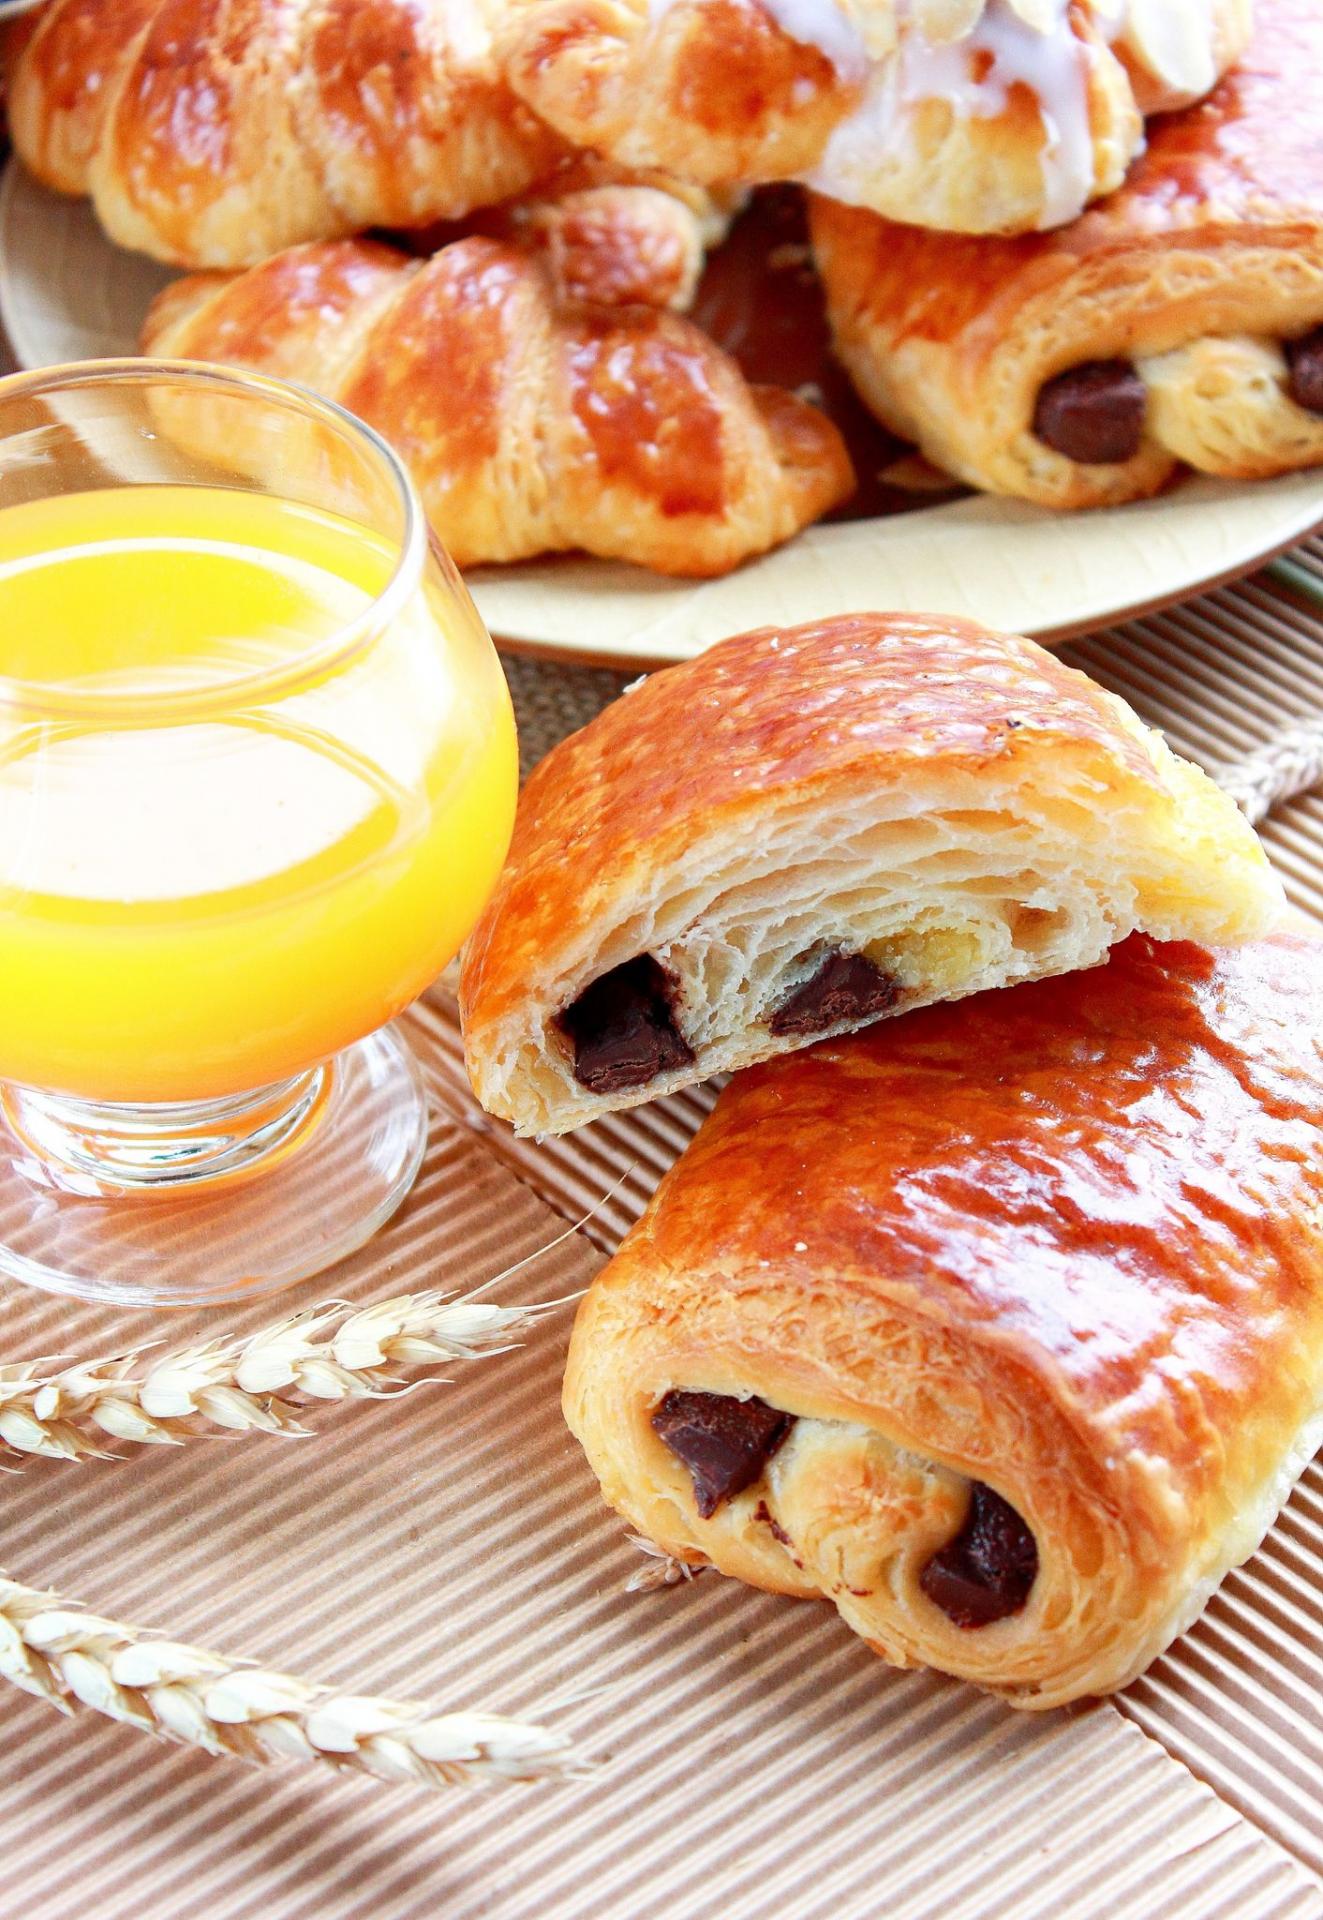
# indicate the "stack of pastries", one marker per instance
pixel 1067 248
pixel 988 1302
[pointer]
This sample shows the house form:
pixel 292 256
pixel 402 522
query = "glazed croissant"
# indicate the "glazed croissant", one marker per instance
pixel 978 116
pixel 809 828
pixel 531 423
pixel 211 133
pixel 1180 322
pixel 1000 1326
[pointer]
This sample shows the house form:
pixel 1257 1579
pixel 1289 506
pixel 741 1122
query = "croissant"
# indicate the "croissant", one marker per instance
pixel 1000 1326
pixel 805 830
pixel 211 133
pixel 530 425
pixel 1181 323
pixel 980 116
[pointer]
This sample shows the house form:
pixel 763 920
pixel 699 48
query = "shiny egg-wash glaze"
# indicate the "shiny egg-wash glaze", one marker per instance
pixel 531 420
pixel 1062 1243
pixel 1198 285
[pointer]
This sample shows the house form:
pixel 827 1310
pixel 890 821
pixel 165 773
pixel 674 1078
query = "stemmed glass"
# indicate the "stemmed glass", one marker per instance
pixel 257 776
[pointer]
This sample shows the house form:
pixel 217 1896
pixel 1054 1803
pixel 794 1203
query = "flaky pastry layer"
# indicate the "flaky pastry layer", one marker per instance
pixel 811 827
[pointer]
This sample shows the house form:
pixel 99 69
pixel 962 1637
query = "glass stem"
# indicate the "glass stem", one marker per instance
pixel 102 1148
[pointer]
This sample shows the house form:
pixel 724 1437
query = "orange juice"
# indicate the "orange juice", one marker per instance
pixel 295 819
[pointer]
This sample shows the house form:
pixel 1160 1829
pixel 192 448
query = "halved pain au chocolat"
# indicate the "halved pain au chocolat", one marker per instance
pixel 724 1442
pixel 622 1028
pixel 845 986
pixel 1093 413
pixel 1305 360
pixel 986 1572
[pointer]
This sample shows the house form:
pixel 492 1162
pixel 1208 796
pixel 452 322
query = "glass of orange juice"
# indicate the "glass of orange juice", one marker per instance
pixel 257 777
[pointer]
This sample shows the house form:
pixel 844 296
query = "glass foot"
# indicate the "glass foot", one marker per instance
pixel 177 1206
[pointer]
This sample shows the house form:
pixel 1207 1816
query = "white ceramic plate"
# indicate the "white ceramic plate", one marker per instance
pixel 67 294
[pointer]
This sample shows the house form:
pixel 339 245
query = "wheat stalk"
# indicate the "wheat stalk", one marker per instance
pixel 260 1383
pixel 662 1568
pixel 1289 764
pixel 63 1654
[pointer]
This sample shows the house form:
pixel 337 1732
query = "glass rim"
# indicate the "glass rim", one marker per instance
pixel 57 700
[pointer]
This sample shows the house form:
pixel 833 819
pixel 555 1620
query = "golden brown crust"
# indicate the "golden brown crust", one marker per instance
pixel 60 84
pixel 214 132
pixel 529 424
pixel 1216 234
pixel 909 771
pixel 767 711
pixel 1065 1239
pixel 756 104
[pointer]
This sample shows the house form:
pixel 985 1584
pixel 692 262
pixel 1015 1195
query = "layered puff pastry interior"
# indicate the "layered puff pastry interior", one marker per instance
pixel 532 378
pixel 806 830
pixel 1179 323
pixel 1001 1326
pixel 211 133
pixel 977 116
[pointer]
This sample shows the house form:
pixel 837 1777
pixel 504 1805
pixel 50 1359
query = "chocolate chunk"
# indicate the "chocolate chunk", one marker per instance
pixel 724 1442
pixel 846 986
pixel 1305 359
pixel 985 1573
pixel 622 1029
pixel 1094 413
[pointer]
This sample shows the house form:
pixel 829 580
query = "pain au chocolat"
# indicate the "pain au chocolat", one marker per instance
pixel 1001 1326
pixel 1178 323
pixel 805 830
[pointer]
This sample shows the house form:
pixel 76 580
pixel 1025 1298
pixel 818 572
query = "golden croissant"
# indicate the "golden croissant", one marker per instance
pixel 532 422
pixel 211 133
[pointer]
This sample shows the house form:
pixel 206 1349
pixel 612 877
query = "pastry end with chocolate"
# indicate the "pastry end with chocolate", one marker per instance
pixel 1304 358
pixel 1094 413
pixel 723 1441
pixel 987 1571
pixel 622 1029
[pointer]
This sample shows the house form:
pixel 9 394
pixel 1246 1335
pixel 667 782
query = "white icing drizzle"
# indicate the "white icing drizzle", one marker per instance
pixel 850 32
pixel 466 30
pixel 833 29
pixel 1054 64
pixel 907 51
